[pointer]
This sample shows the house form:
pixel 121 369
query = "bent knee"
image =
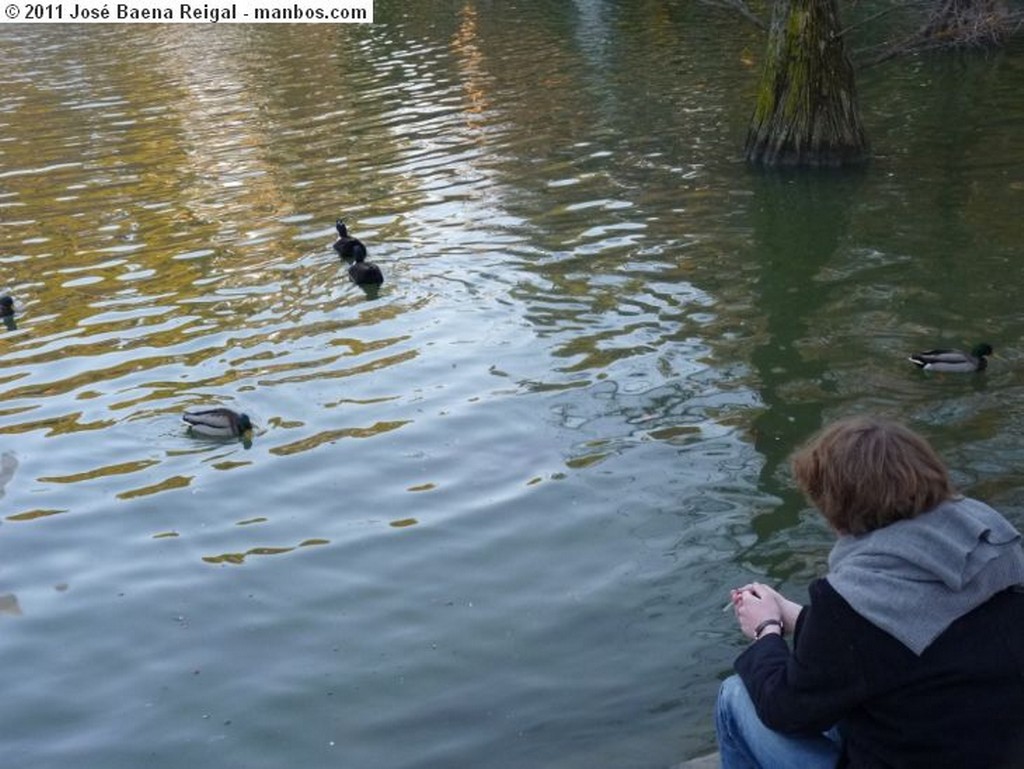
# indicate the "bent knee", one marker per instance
pixel 733 699
pixel 732 689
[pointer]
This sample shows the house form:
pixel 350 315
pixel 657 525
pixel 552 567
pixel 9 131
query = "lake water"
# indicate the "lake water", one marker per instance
pixel 489 517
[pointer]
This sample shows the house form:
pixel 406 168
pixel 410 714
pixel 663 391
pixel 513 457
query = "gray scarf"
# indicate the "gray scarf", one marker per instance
pixel 915 577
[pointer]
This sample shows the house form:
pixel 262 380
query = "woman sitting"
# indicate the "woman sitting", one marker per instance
pixel 911 651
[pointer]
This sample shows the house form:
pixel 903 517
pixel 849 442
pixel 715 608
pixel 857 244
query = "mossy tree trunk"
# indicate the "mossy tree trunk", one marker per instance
pixel 806 112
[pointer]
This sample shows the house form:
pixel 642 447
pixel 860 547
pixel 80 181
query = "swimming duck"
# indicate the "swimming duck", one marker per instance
pixel 347 247
pixel 218 422
pixel 6 306
pixel 953 361
pixel 364 273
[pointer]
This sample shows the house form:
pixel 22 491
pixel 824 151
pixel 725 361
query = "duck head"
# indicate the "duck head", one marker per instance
pixel 982 350
pixel 244 424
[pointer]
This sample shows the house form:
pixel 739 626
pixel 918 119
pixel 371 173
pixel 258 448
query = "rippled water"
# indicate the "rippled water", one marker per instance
pixel 490 516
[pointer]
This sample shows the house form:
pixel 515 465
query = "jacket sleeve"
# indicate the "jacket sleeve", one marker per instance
pixel 813 686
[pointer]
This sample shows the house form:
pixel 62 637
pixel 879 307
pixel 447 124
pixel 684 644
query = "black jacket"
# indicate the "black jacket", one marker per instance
pixel 960 705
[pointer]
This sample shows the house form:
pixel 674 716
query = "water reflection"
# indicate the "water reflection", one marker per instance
pixel 790 364
pixel 7 312
pixel 239 558
pixel 9 604
pixel 8 465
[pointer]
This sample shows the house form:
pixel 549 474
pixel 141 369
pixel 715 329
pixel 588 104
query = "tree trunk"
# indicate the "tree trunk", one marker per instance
pixel 806 112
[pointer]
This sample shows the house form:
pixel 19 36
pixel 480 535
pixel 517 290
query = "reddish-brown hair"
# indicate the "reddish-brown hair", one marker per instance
pixel 864 473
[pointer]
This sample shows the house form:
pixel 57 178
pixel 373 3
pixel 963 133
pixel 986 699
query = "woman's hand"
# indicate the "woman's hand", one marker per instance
pixel 755 602
pixel 751 610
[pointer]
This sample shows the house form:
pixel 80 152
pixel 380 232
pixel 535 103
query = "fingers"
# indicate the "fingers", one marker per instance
pixel 753 603
pixel 760 590
pixel 753 590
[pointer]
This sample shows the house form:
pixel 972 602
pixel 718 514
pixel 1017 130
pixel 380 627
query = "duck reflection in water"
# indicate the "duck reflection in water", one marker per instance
pixel 8 464
pixel 9 604
pixel 7 312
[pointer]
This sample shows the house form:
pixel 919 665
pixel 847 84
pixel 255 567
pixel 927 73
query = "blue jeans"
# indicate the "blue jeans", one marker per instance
pixel 746 743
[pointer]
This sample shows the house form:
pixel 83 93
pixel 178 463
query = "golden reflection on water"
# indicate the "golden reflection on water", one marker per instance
pixel 69 423
pixel 174 482
pixel 240 558
pixel 472 65
pixel 117 469
pixel 32 515
pixel 330 436
pixel 229 465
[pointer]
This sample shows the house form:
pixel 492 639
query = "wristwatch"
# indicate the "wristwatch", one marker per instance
pixel 767 624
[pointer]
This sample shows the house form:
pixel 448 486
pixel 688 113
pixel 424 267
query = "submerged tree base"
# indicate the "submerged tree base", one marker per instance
pixel 806 113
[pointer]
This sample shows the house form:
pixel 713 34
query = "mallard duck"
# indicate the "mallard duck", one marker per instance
pixel 953 361
pixel 218 422
pixel 364 273
pixel 347 247
pixel 6 306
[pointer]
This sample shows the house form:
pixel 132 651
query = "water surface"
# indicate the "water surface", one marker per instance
pixel 489 517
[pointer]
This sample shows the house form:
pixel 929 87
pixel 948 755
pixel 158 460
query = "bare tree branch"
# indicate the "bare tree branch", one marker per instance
pixel 868 20
pixel 740 7
pixel 952 23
